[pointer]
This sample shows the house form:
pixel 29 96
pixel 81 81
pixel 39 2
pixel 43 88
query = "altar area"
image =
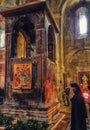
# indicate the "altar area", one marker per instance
pixel 30 68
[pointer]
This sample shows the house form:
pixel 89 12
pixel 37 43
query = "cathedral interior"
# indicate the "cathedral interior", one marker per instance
pixel 44 46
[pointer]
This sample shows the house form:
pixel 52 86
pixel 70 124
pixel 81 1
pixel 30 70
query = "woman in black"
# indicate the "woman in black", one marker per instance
pixel 78 110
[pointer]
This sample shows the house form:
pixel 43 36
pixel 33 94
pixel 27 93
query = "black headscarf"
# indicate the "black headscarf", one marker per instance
pixel 75 85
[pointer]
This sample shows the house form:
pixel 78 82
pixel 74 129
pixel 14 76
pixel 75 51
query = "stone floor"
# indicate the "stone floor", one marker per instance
pixel 64 123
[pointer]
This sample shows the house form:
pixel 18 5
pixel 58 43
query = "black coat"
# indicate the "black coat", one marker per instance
pixel 78 113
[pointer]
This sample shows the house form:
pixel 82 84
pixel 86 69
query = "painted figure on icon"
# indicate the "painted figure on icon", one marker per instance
pixel 85 81
pixel 22 76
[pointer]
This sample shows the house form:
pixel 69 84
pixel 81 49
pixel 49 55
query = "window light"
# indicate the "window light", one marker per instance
pixel 82 24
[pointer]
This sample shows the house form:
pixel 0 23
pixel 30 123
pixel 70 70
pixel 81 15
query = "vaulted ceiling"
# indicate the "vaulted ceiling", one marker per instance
pixel 54 4
pixel 59 5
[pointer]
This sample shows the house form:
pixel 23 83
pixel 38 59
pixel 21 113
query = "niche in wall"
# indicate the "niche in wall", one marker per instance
pixel 23 37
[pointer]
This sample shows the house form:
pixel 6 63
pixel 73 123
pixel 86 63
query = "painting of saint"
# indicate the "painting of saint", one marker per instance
pixel 22 78
pixel 84 79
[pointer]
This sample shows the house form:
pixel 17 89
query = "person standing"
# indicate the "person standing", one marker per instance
pixel 67 91
pixel 78 109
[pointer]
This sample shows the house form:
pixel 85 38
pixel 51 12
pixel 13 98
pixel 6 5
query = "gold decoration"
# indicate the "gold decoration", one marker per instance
pixel 21 46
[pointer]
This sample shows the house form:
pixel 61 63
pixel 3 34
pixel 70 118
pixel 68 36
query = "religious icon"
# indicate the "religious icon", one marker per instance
pixel 85 80
pixel 22 78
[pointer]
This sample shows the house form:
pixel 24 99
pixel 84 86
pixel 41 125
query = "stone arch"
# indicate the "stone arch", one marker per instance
pixel 77 61
pixel 24 26
pixel 69 45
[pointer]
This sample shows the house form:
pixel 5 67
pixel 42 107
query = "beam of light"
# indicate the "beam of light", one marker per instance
pixel 83 24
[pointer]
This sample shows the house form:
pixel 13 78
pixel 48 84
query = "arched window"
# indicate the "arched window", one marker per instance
pixel 23 38
pixel 82 17
pixel 83 24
